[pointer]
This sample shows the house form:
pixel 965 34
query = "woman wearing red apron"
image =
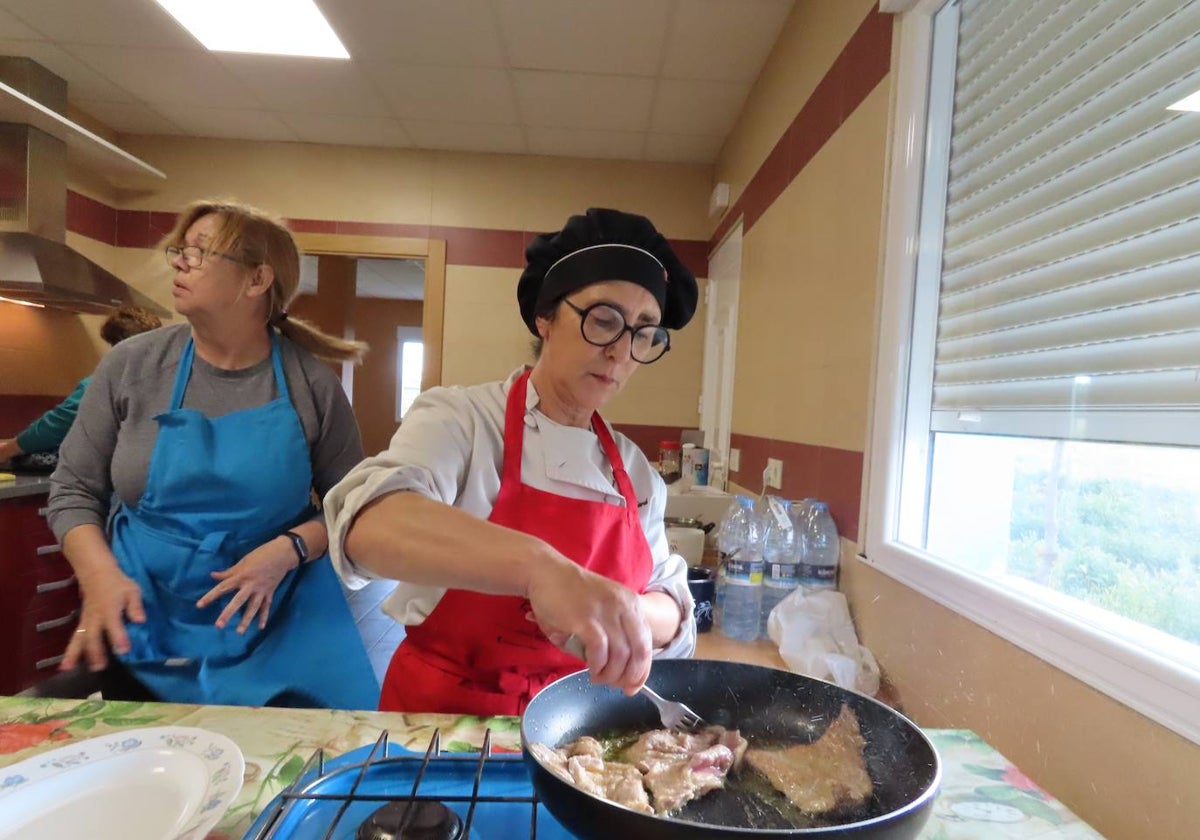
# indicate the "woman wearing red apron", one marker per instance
pixel 511 513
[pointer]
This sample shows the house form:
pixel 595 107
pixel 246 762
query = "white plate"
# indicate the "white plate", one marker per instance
pixel 162 783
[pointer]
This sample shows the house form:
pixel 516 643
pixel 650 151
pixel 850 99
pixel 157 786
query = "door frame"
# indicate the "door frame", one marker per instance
pixel 718 415
pixel 433 307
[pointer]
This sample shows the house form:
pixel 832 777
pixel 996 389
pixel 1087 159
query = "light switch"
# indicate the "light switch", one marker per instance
pixel 773 474
pixel 735 460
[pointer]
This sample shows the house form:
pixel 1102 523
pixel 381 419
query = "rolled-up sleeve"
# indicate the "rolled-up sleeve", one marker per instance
pixel 429 454
pixel 669 575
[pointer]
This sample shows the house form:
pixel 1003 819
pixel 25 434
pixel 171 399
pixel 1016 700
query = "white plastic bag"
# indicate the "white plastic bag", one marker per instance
pixel 817 638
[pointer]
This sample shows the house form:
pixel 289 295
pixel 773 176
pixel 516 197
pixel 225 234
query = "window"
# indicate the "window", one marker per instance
pixel 1036 455
pixel 409 363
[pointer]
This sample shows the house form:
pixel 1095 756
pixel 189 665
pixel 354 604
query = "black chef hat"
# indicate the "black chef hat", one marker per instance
pixel 605 245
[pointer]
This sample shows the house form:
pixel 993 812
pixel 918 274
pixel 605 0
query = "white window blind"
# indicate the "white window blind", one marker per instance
pixel 1070 297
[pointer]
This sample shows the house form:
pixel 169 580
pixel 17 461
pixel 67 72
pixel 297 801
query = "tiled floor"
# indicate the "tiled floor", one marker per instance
pixel 380 634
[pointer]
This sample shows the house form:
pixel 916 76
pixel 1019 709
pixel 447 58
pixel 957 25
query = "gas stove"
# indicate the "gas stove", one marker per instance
pixel 385 792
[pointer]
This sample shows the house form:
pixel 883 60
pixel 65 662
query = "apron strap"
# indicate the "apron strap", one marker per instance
pixel 624 484
pixel 514 431
pixel 514 443
pixel 184 372
pixel 277 363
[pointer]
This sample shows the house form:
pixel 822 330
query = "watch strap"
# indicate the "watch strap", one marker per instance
pixel 299 544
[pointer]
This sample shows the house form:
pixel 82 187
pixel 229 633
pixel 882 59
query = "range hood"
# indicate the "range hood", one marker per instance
pixel 36 265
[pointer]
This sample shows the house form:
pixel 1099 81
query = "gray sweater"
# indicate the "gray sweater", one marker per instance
pixel 109 446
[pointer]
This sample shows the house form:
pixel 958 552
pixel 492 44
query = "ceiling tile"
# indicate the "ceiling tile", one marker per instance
pixel 683 148
pixel 156 75
pixel 467 137
pixel 576 100
pixel 459 32
pixel 235 123
pixel 391 279
pixel 323 86
pixel 446 94
pixel 112 22
pixel 614 36
pixel 12 27
pixel 128 118
pixel 565 142
pixel 723 39
pixel 695 107
pixel 343 130
pixel 82 81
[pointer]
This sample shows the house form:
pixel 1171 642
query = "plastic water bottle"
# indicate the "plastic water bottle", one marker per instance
pixel 779 559
pixel 819 567
pixel 741 550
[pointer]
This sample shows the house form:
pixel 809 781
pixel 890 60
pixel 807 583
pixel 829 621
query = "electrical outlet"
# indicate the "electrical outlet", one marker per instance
pixel 774 473
pixel 735 460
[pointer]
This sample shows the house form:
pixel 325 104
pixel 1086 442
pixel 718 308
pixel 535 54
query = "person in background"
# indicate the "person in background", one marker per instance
pixel 513 516
pixel 47 433
pixel 210 583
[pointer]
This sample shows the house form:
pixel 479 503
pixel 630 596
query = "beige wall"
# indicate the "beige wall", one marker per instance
pixel 417 187
pixel 47 351
pixel 805 345
pixel 512 192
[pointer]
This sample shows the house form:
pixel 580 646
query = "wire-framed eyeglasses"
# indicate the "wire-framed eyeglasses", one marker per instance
pixel 194 255
pixel 602 325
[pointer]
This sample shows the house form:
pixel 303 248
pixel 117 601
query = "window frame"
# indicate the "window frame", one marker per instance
pixel 1157 687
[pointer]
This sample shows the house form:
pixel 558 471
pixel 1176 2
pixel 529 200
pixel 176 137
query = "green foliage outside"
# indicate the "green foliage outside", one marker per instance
pixel 1125 546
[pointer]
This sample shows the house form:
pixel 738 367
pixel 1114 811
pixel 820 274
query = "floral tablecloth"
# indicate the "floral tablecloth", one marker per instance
pixel 983 796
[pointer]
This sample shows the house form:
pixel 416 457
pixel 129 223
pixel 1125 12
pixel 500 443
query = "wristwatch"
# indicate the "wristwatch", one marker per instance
pixel 299 544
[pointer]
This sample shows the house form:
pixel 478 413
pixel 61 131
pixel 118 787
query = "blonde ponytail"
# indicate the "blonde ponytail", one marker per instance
pixel 320 344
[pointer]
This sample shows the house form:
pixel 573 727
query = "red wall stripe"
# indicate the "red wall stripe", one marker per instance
pixel 647 438
pixel 91 218
pixel 831 475
pixel 859 68
pixel 489 247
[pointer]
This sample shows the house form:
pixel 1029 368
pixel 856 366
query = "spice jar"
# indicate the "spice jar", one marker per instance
pixel 669 466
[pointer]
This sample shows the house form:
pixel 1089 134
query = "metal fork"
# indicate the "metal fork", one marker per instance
pixel 674 715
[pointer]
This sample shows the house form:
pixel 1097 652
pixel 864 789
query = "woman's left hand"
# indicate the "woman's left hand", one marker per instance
pixel 253 579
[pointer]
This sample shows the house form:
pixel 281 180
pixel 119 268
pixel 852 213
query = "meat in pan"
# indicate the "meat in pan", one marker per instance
pixel 660 773
pixel 828 776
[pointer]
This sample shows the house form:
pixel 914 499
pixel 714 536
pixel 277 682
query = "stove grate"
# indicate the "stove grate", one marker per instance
pixel 307 787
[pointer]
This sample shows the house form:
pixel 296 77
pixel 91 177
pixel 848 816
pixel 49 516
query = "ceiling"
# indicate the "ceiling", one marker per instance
pixel 660 80
pixel 397 279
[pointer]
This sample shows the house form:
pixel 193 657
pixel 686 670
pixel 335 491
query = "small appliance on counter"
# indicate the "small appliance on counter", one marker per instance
pixel 33 463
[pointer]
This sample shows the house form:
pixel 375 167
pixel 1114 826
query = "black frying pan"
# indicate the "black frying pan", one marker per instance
pixel 766 705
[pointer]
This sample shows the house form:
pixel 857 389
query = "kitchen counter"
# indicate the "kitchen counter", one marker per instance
pixel 25 485
pixel 716 645
pixel 983 796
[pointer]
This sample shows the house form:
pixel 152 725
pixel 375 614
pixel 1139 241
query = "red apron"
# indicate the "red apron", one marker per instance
pixel 478 654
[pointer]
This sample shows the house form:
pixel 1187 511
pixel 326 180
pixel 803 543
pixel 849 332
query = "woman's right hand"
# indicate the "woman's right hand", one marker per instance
pixel 110 598
pixel 608 618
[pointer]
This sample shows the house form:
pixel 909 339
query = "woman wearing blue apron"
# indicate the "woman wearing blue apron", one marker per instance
pixel 214 596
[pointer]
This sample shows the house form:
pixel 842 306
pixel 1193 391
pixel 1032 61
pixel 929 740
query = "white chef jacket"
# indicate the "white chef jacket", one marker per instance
pixel 450 447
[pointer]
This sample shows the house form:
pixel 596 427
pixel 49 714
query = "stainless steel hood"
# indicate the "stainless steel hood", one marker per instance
pixel 36 265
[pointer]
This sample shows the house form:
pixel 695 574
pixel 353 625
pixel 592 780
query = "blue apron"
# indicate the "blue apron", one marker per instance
pixel 216 489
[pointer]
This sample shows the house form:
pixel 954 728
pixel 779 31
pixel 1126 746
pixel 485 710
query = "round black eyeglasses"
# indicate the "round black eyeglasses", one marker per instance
pixel 602 325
